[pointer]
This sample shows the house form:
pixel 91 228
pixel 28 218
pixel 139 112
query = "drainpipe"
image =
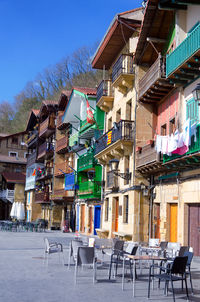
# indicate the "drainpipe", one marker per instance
pixel 151 205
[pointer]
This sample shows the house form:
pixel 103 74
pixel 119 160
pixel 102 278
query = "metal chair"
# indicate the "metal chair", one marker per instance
pixel 52 248
pixel 188 267
pixel 74 245
pixel 130 250
pixel 86 257
pixel 115 254
pixel 176 272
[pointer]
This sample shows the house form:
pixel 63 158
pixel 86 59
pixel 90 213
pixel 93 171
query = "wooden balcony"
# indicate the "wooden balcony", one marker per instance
pixel 62 145
pixel 148 161
pixel 115 143
pixel 61 169
pixel 112 181
pixel 47 127
pixel 182 64
pixel 31 159
pixel 89 189
pixel 60 124
pixel 41 197
pixel 45 150
pixel 62 195
pixel 154 85
pixel 105 95
pixel 32 139
pixel 123 73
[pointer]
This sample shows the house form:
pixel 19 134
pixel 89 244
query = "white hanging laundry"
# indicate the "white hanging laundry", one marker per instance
pixel 172 143
pixel 164 149
pixel 13 212
pixel 186 133
pixel 158 145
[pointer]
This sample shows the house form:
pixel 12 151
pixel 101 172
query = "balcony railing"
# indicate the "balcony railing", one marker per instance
pixel 32 138
pixel 31 159
pixel 62 144
pixel 147 156
pixel 154 73
pixel 70 181
pixel 86 161
pixel 7 195
pixel 193 148
pixel 59 194
pixel 46 172
pixel 184 51
pixel 60 124
pixel 47 127
pixel 112 180
pixel 121 131
pixel 41 197
pixel 73 139
pixel 104 89
pixel 61 169
pixel 124 65
pixel 89 188
pixel 45 149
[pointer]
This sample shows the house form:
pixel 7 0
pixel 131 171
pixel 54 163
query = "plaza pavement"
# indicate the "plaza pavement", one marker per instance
pixel 25 278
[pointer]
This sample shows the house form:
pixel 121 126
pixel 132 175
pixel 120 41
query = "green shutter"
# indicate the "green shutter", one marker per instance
pixel 192 111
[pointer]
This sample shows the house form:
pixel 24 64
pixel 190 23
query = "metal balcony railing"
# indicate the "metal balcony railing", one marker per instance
pixel 104 89
pixel 121 131
pixel 183 51
pixel 112 180
pixel 86 161
pixel 124 65
pixel 7 194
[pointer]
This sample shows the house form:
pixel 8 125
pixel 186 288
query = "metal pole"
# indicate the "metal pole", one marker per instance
pixel 151 205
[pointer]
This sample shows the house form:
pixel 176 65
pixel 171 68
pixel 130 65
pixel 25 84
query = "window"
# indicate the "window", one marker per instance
pixel 164 129
pixel 118 116
pixel 106 209
pixel 18 169
pixel 15 140
pixel 26 155
pixel 126 168
pixel 172 126
pixel 13 154
pixel 125 209
pixel 129 110
pixel 192 111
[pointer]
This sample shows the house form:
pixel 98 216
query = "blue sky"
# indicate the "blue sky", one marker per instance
pixel 35 34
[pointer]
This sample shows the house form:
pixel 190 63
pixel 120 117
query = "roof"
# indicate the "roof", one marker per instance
pixel 32 118
pixel 86 90
pixel 63 99
pixel 156 25
pixel 12 159
pixel 50 102
pixel 15 177
pixel 4 134
pixel 13 134
pixel 120 30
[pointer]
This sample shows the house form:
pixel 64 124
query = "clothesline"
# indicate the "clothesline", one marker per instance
pixel 177 143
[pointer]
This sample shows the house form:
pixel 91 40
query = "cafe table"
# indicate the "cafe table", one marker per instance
pixel 136 258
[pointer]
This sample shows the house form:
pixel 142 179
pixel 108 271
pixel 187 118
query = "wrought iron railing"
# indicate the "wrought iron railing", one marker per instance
pixel 122 130
pixel 112 180
pixel 104 89
pixel 124 65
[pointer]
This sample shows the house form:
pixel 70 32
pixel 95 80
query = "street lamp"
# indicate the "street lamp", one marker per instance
pixel 114 164
pixel 196 93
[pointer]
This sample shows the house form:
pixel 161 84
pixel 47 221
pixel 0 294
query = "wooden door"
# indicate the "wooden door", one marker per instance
pixel 157 220
pixel 116 213
pixel 90 220
pixel 173 222
pixel 82 218
pixel 194 228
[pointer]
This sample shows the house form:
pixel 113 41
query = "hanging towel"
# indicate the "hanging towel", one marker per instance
pixel 158 145
pixel 164 149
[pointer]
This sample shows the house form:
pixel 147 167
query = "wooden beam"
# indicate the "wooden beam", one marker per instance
pixel 190 71
pixel 183 76
pixel 178 81
pixel 193 65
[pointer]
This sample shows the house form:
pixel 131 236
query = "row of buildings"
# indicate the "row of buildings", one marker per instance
pixel 123 159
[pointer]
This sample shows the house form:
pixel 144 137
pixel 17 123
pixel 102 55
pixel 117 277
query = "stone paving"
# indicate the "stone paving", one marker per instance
pixel 25 278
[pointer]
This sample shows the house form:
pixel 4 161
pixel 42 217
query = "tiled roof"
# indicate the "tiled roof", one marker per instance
pixel 12 159
pixel 49 102
pixel 86 90
pixel 36 111
pixel 13 134
pixel 15 177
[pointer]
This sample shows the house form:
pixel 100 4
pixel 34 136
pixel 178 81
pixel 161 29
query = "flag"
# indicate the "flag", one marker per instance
pixel 90 116
pixel 109 137
pixel 34 173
